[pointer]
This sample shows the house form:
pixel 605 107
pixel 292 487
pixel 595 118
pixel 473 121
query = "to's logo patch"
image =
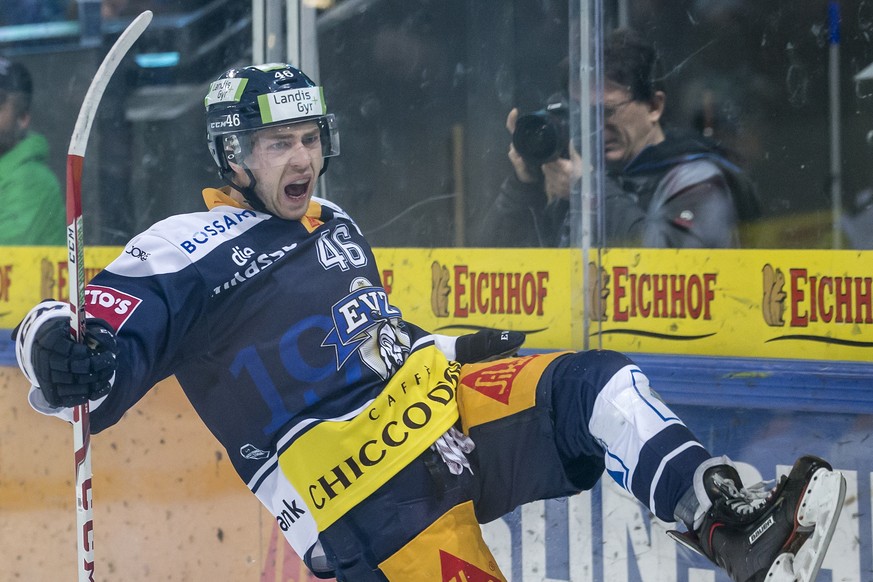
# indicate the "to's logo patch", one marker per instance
pixel 110 304
pixel 454 569
pixel 496 381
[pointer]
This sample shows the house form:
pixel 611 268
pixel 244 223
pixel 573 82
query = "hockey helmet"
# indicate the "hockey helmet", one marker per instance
pixel 251 98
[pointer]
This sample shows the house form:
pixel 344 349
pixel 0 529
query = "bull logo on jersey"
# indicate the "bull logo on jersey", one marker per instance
pixel 364 322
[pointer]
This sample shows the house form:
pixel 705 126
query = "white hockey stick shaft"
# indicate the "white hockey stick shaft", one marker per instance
pixel 76 270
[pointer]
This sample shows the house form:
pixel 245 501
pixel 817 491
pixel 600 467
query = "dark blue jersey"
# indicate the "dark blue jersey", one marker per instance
pixel 265 322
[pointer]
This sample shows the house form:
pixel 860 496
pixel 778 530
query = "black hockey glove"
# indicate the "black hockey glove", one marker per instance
pixel 487 344
pixel 69 372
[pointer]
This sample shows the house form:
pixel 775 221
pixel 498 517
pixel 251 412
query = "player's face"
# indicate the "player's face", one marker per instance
pixel 629 125
pixel 286 162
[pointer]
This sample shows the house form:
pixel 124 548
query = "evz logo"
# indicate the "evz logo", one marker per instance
pixel 366 323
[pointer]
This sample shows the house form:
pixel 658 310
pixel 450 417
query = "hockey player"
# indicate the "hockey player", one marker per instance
pixel 377 446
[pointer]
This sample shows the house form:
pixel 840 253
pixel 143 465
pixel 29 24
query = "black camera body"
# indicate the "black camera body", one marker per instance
pixel 543 136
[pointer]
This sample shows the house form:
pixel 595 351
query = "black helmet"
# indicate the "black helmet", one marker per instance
pixel 244 100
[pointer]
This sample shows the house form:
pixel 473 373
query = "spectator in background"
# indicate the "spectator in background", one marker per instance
pixel 663 189
pixel 30 194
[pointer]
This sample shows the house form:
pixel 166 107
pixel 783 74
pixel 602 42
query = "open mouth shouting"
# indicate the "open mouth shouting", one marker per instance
pixel 291 198
pixel 297 189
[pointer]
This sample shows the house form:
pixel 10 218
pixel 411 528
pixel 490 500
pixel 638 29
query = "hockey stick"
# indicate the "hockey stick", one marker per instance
pixel 76 275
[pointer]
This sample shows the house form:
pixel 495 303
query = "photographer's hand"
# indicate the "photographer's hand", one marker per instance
pixel 522 171
pixel 560 175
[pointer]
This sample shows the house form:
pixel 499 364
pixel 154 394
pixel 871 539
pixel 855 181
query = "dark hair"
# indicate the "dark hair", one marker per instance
pixel 632 62
pixel 17 84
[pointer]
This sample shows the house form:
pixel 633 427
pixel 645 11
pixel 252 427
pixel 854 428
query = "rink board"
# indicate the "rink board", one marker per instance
pixel 797 380
pixel 814 305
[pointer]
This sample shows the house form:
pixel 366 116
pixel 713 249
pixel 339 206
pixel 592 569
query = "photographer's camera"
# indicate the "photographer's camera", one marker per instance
pixel 543 136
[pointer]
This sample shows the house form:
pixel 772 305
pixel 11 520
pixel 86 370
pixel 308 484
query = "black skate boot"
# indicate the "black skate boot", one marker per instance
pixel 780 536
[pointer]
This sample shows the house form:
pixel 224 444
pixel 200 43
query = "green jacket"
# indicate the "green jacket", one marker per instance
pixel 32 210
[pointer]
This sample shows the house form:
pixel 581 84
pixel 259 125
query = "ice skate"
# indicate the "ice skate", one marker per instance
pixel 778 536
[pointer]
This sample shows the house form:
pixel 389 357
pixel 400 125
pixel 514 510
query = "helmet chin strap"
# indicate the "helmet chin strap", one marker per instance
pixel 247 191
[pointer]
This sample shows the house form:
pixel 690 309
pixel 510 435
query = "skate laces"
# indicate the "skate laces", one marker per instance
pixel 453 447
pixel 746 500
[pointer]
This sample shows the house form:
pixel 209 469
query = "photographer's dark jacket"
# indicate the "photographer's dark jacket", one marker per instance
pixel 680 193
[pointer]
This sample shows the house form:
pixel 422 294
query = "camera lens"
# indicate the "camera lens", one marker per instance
pixel 544 135
pixel 536 138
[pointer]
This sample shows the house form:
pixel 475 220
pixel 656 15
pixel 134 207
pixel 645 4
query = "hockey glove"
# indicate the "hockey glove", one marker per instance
pixel 487 344
pixel 68 372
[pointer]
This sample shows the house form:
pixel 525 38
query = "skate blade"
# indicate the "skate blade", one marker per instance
pixel 686 540
pixel 820 508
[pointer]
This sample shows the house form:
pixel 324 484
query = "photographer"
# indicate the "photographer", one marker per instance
pixel 663 189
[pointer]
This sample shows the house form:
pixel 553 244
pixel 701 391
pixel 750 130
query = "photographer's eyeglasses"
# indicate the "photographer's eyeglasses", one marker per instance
pixel 609 110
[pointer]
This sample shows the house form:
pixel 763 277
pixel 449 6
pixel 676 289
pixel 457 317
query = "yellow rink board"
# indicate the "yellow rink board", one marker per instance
pixel 775 304
pixel 741 303
pixel 759 304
